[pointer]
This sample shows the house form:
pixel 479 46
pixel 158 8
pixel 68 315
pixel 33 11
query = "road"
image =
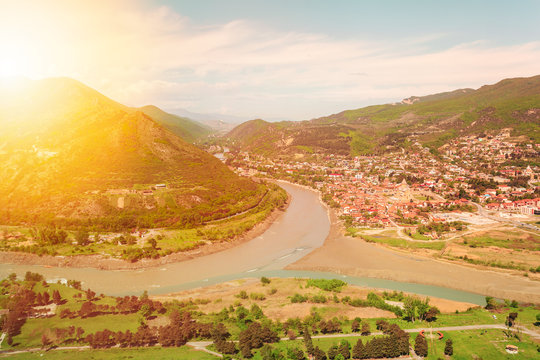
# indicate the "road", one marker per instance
pixel 483 212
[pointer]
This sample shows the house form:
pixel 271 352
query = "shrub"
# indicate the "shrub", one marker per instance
pixel 298 298
pixel 257 296
pixel 326 285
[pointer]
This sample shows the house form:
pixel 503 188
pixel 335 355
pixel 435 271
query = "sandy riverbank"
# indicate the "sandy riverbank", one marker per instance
pixel 352 256
pixel 108 263
pixel 278 306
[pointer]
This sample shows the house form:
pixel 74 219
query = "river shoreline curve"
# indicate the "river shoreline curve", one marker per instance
pixel 345 255
pixel 103 262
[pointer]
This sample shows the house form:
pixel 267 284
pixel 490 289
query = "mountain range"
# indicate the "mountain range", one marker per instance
pixel 65 148
pixel 431 120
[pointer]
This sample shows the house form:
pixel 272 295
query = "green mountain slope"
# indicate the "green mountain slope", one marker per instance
pixel 187 129
pixel 69 154
pixel 431 120
pixel 288 137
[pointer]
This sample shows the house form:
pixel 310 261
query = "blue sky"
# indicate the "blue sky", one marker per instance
pixel 502 22
pixel 293 59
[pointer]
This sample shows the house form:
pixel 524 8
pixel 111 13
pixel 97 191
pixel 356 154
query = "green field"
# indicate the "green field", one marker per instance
pixel 470 344
pixel 506 239
pixel 170 240
pixel 183 352
pixel 403 244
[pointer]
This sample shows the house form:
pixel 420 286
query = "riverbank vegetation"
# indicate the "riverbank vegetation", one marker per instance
pixel 48 315
pixel 503 247
pixel 139 243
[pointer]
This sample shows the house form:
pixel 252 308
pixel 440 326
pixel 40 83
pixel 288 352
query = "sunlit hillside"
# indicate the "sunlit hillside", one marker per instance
pixel 431 120
pixel 187 129
pixel 69 153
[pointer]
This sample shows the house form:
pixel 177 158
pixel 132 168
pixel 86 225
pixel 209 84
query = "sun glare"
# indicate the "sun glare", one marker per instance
pixel 10 67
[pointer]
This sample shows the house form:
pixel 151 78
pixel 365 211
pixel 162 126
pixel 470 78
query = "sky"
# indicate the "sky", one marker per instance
pixel 276 60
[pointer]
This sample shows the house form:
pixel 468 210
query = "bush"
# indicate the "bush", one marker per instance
pixel 326 285
pixel 257 296
pixel 242 295
pixel 449 348
pixel 298 298
pixel 319 299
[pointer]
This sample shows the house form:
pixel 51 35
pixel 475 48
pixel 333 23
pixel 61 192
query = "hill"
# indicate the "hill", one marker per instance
pixel 187 129
pixel 432 120
pixel 288 137
pixel 71 156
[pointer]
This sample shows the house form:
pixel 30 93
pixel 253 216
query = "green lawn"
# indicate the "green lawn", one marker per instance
pixel 418 236
pixel 482 344
pixel 470 344
pixel 404 244
pixel 509 240
pixel 33 328
pixel 184 352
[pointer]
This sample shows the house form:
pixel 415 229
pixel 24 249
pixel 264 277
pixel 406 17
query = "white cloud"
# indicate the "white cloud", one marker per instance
pixel 139 55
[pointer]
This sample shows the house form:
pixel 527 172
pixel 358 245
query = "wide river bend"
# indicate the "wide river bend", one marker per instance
pixel 302 228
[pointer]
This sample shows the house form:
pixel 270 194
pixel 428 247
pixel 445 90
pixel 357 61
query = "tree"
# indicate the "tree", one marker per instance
pixel 82 237
pixel 57 299
pixel 332 352
pixel 307 340
pixel 35 277
pixel 45 341
pixel 90 294
pixel 511 319
pixel 490 303
pixel 265 280
pixel 145 312
pixel 345 349
pixel 449 348
pixel 318 354
pixel 87 309
pixel 355 325
pixel 268 353
pixel 245 350
pixel 414 308
pixel 420 346
pixel 295 354
pixel 256 311
pixel 365 329
pixel 432 313
pixel 358 350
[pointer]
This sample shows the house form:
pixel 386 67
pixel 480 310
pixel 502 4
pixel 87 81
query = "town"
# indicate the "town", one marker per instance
pixel 473 179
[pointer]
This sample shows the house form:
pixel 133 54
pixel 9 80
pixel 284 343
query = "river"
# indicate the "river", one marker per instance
pixel 302 228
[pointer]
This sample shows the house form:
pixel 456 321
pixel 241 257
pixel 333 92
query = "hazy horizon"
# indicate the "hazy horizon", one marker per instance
pixel 279 60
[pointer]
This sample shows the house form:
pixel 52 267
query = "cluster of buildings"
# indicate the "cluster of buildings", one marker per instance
pixel 412 186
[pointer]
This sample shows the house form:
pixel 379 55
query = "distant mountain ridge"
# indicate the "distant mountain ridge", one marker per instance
pixel 188 129
pixel 431 120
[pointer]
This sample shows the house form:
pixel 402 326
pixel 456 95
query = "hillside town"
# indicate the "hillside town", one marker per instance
pixel 416 186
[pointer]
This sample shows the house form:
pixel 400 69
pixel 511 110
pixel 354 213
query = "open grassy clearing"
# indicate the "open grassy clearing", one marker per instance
pixel 403 244
pixel 184 352
pixel 504 238
pixel 504 247
pixel 483 344
pixel 469 344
